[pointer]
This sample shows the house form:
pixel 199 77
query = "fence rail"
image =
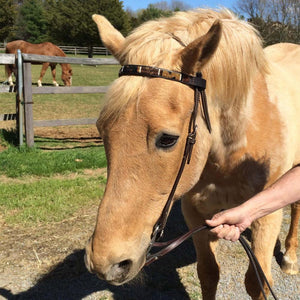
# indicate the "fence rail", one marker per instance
pixel 24 69
pixel 7 59
pixel 75 50
pixel 4 60
pixel 69 60
pixel 84 50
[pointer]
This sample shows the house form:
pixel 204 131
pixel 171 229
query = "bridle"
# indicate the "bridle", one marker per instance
pixel 199 85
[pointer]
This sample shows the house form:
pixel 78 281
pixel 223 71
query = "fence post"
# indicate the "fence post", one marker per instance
pixel 19 111
pixel 29 133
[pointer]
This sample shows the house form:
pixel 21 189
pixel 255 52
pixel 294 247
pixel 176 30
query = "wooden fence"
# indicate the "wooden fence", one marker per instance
pixel 7 59
pixel 84 50
pixel 28 90
pixel 75 50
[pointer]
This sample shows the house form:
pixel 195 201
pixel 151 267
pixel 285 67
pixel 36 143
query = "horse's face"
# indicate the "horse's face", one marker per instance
pixel 144 145
pixel 144 149
pixel 66 75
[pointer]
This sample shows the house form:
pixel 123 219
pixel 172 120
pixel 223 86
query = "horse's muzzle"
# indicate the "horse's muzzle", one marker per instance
pixel 114 273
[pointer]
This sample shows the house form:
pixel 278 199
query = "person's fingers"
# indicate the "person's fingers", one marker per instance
pixel 227 232
pixel 221 230
pixel 233 234
pixel 237 234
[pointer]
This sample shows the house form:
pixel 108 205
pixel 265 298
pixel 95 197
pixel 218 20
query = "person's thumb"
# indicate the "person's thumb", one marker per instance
pixel 216 220
pixel 213 222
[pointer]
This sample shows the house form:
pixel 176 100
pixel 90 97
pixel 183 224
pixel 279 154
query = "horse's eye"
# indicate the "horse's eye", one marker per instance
pixel 166 140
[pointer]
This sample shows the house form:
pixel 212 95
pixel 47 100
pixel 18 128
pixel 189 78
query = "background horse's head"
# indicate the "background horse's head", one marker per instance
pixel 144 126
pixel 66 74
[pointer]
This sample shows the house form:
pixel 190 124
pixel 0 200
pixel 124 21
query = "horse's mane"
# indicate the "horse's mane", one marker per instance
pixel 229 73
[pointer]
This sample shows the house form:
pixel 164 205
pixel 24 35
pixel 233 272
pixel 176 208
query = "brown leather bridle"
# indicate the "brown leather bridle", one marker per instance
pixel 199 85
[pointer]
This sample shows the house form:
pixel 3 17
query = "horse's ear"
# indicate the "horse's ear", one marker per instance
pixel 195 55
pixel 110 36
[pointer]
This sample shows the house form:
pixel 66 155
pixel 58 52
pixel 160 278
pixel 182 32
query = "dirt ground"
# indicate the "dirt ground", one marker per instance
pixel 73 136
pixel 76 135
pixel 46 262
pixel 68 132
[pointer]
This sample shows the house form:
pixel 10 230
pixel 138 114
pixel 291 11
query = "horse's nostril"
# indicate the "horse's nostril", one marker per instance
pixel 120 270
pixel 125 264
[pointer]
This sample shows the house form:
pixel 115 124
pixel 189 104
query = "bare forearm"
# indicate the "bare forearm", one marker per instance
pixel 230 223
pixel 284 191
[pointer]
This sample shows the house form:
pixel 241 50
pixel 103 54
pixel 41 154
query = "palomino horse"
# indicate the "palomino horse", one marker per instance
pixel 254 105
pixel 46 48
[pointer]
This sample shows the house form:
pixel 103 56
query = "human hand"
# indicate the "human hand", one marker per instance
pixel 229 224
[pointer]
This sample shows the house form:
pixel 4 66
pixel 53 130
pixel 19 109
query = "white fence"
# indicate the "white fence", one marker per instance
pixel 84 50
pixel 75 50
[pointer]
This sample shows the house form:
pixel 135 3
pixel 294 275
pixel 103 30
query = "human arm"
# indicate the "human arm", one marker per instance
pixel 229 224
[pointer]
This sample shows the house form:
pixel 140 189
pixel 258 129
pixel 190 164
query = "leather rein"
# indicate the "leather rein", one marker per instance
pixel 199 85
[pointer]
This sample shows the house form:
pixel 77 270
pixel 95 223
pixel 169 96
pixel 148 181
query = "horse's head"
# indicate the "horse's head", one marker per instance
pixel 144 127
pixel 66 74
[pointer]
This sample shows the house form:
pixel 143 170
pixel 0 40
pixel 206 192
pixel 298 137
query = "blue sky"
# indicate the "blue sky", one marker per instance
pixel 138 4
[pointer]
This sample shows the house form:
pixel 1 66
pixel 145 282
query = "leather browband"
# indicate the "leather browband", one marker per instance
pixel 147 71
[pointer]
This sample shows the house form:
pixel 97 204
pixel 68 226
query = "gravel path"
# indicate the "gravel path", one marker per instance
pixel 47 263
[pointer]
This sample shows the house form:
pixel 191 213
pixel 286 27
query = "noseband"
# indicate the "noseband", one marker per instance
pixel 198 84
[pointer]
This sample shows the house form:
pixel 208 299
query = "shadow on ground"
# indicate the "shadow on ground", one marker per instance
pixel 70 280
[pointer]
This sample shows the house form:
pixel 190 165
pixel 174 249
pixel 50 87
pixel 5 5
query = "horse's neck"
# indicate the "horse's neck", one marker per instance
pixel 242 130
pixel 228 132
pixel 64 67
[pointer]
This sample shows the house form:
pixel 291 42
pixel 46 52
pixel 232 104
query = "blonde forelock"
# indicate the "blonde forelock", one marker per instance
pixel 229 73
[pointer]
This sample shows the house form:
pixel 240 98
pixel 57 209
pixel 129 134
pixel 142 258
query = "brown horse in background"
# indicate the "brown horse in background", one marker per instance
pixel 46 48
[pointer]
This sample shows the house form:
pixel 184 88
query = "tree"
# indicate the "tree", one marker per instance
pixel 276 20
pixel 175 5
pixel 31 22
pixel 153 13
pixel 70 21
pixel 7 18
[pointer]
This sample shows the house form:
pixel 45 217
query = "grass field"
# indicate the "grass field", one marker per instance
pixel 39 185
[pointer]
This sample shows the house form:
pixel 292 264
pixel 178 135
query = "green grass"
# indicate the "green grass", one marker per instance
pixel 47 200
pixel 41 186
pixel 20 162
pixel 40 190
